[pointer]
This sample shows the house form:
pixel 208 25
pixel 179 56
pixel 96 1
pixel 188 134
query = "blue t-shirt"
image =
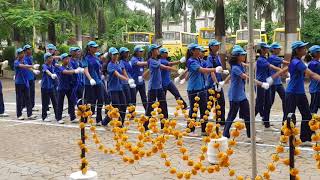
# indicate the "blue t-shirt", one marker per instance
pixel 165 74
pixel 296 83
pixel 47 82
pixel 276 61
pixel 127 66
pixel 65 80
pixel 213 62
pixel 196 79
pixel 21 76
pixel 237 85
pixel 155 81
pixel 114 83
pixel 137 70
pixel 28 60
pixel 77 78
pixel 314 66
pixel 94 67
pixel 263 71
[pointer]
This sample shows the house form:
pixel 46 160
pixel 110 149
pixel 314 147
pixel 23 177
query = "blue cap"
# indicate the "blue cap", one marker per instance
pixel 236 51
pixel 27 46
pixel 19 50
pixel 47 55
pixel 275 45
pixel 202 49
pixel 163 50
pixel 314 49
pixel 74 49
pixel 113 51
pixel 214 43
pixel 123 50
pixel 263 45
pixel 194 46
pixel 138 49
pixel 98 54
pixel 153 46
pixel 298 44
pixel 92 44
pixel 64 55
pixel 51 46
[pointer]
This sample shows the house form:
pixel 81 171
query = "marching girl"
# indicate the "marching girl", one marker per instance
pixel 65 88
pixel 237 96
pixel 138 65
pixel 47 87
pixel 3 64
pixel 116 74
pixel 78 79
pixel 167 84
pixel 22 85
pixel 263 100
pixel 94 90
pixel 277 86
pixel 196 83
pixel 314 87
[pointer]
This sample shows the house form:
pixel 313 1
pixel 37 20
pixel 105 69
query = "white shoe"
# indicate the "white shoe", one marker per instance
pixel 94 116
pixel 24 110
pixel 61 121
pixel 258 140
pixel 50 106
pixel 75 121
pixel 47 120
pixel 4 115
pixel 64 115
pixel 21 118
pixel 307 144
pixel 35 109
pixel 32 117
pixel 48 112
pixel 193 134
pixel 98 124
pixel 271 129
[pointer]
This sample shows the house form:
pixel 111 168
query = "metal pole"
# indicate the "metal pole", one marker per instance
pixel 291 118
pixel 251 87
pixel 33 28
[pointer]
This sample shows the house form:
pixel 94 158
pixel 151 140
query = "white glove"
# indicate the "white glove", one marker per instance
pixel 221 84
pixel 105 55
pixel 92 82
pixel 265 86
pixel 140 79
pixel 40 81
pixel 103 77
pixel 132 86
pixel 180 71
pixel 183 60
pixel 81 70
pixel 14 77
pixel 36 66
pixel 226 72
pixel 4 64
pixel 288 75
pixel 77 71
pixel 219 69
pixel 36 72
pixel 217 87
pixel 54 76
pixel 182 81
pixel 287 80
pixel 269 80
pixel 131 81
pixel 176 80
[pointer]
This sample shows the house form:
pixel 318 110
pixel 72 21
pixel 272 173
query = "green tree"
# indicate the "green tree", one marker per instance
pixel 310 30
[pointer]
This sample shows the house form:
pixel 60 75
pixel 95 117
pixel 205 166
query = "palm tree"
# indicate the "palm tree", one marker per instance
pixel 148 3
pixel 179 7
pixel 220 31
pixel 268 7
pixel 291 23
pixel 157 20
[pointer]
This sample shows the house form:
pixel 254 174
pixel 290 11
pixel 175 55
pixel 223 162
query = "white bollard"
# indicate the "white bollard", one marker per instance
pixel 212 152
pixel 90 175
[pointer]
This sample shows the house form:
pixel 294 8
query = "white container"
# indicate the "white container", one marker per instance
pixel 90 175
pixel 212 152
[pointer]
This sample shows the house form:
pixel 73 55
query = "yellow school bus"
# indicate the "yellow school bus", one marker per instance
pixel 230 42
pixel 242 36
pixel 177 42
pixel 279 36
pixel 206 34
pixel 264 38
pixel 139 38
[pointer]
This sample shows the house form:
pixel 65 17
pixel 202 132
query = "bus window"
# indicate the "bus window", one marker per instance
pixel 171 36
pixel 207 34
pixel 138 38
pixel 280 37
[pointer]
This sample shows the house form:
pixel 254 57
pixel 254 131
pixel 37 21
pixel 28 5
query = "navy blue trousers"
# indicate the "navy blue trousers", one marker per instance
pixel 244 114
pixel 48 95
pixel 141 89
pixel 202 106
pixel 61 95
pixel 300 100
pixel 94 95
pixel 118 100
pixel 263 101
pixel 23 99
pixel 315 102
pixel 32 92
pixel 281 92
pixel 130 93
pixel 153 96
pixel 1 100
pixel 175 92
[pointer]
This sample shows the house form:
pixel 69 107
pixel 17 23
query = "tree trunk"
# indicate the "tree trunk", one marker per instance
pixel 157 19
pixel 43 33
pixel 185 17
pixel 101 23
pixel 16 36
pixel 268 13
pixel 220 31
pixel 78 26
pixel 193 27
pixel 206 19
pixel 52 32
pixel 291 22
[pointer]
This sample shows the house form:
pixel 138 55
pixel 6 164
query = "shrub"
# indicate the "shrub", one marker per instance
pixel 10 55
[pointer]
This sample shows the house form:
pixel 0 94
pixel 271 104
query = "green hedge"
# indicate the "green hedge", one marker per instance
pixel 9 53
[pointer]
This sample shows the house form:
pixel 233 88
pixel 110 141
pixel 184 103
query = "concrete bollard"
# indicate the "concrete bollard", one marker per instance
pixel 212 152
pixel 90 175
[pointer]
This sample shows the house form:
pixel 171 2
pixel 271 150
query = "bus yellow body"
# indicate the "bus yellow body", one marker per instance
pixel 230 42
pixel 177 42
pixel 242 36
pixel 205 35
pixel 139 38
pixel 279 37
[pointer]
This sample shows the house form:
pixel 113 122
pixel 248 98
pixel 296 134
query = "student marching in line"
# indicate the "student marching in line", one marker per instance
pixel 22 85
pixel 263 98
pixel 3 64
pixel 314 87
pixel 167 84
pixel 65 88
pixel 78 79
pixel 94 90
pixel 155 89
pixel 196 83
pixel 47 87
pixel 138 65
pixel 116 74
pixel 28 59
pixel 237 96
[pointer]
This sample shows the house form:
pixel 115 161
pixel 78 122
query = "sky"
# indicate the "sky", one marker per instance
pixel 133 5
